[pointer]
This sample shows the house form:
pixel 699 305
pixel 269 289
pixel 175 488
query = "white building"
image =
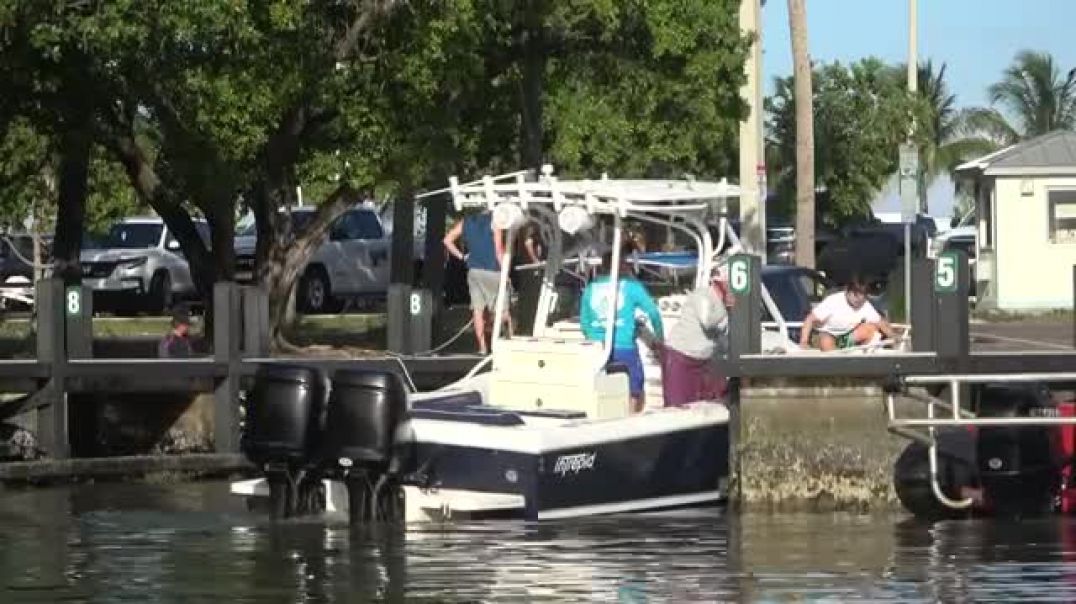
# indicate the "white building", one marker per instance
pixel 1026 209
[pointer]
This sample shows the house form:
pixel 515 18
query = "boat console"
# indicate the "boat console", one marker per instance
pixel 535 374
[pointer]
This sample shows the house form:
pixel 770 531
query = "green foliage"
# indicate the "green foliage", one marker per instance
pixel 1031 98
pixel 28 182
pixel 863 112
pixel 645 88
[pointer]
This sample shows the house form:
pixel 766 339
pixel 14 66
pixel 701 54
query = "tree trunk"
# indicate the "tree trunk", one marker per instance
pixel 533 73
pixel 71 205
pixel 801 62
pixel 282 257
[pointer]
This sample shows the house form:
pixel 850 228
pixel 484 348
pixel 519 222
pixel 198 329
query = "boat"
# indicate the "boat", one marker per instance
pixel 993 445
pixel 540 429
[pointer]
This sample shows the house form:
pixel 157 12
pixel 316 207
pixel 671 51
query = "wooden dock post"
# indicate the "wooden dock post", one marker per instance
pixel 51 308
pixel 950 289
pixel 433 265
pixel 254 322
pixel 745 318
pixel 401 276
pixel 922 318
pixel 226 341
pixel 745 337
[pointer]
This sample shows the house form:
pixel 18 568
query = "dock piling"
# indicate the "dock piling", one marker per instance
pixel 226 340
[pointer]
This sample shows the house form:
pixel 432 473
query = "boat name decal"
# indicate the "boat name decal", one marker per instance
pixel 574 463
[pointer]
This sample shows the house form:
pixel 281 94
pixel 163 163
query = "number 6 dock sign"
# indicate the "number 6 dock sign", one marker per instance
pixel 740 275
pixel 945 276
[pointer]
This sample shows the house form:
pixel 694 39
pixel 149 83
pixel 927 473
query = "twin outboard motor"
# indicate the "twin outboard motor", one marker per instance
pixel 1018 466
pixel 1018 470
pixel 301 429
pixel 285 418
pixel 365 414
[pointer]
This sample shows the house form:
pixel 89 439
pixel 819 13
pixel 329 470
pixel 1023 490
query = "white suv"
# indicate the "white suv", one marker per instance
pixel 139 263
pixel 353 262
pixel 965 229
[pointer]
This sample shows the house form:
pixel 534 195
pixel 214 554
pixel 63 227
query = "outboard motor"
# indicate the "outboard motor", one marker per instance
pixel 366 411
pixel 284 420
pixel 1018 466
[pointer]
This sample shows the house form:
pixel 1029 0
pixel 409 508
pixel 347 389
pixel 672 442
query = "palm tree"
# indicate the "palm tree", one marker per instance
pixel 948 147
pixel 801 71
pixel 1033 93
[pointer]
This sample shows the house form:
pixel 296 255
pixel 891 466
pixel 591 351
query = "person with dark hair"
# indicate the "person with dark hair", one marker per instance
pixel 630 295
pixel 176 344
pixel 845 319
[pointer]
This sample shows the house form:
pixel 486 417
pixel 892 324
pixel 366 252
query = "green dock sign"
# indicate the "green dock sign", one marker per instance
pixel 740 275
pixel 945 277
pixel 73 300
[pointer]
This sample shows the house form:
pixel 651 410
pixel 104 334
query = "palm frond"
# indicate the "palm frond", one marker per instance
pixel 986 124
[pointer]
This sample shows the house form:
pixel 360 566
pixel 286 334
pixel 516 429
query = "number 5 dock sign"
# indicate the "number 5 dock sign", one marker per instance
pixel 945 276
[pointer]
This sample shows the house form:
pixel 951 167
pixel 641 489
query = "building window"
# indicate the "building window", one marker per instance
pixel 1062 215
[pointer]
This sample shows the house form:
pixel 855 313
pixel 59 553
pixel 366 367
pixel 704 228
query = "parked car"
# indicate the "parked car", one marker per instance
pixel 964 242
pixel 352 262
pixel 139 262
pixel 18 261
pixel 781 244
pixel 963 230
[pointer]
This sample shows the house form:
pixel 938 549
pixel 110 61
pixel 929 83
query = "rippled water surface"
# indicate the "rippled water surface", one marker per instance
pixel 194 543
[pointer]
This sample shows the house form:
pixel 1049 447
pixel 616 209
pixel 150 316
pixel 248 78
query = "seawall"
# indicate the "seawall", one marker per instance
pixel 815 444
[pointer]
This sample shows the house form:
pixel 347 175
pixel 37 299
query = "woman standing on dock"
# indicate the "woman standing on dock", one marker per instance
pixel 687 371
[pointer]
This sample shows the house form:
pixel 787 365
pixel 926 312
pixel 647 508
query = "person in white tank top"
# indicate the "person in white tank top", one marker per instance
pixel 845 319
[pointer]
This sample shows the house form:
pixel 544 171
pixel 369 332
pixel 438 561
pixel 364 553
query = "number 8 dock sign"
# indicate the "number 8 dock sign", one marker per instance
pixel 945 276
pixel 73 298
pixel 740 275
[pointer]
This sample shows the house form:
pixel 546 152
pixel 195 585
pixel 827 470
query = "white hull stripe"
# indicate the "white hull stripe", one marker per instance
pixel 570 435
pixel 634 505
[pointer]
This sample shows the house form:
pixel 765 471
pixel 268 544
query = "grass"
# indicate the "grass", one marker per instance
pixel 365 331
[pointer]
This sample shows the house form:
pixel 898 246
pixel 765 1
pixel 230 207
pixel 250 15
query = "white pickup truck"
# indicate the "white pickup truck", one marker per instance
pixel 353 262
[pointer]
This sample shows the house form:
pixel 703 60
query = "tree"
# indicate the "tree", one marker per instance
pixel 1032 94
pixel 214 106
pixel 645 88
pixel 861 115
pixel 805 166
pixel 945 146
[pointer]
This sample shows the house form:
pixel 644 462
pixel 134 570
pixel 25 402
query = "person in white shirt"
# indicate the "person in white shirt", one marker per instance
pixel 845 319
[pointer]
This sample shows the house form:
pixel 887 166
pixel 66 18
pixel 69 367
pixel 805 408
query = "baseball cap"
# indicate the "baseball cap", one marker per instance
pixel 181 315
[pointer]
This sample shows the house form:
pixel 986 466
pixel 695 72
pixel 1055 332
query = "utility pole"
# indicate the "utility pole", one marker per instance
pixel 752 158
pixel 909 164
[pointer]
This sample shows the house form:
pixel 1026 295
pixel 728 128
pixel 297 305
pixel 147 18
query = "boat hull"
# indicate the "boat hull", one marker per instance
pixel 667 458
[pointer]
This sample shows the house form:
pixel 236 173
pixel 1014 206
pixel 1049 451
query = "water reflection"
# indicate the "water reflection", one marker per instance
pixel 194 543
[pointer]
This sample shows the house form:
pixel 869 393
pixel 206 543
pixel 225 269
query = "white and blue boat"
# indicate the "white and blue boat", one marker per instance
pixel 542 427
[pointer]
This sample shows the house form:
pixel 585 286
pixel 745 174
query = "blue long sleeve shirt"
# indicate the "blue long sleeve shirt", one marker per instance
pixel 594 310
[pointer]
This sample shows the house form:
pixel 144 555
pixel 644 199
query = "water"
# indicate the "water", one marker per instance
pixel 193 542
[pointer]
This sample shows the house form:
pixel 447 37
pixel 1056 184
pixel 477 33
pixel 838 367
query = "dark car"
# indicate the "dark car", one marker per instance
pixel 966 244
pixel 795 290
pixel 18 262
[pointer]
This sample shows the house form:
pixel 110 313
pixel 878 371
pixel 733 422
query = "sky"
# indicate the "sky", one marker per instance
pixel 976 39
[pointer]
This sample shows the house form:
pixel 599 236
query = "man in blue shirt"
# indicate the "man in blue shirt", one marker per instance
pixel 485 248
pixel 631 295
